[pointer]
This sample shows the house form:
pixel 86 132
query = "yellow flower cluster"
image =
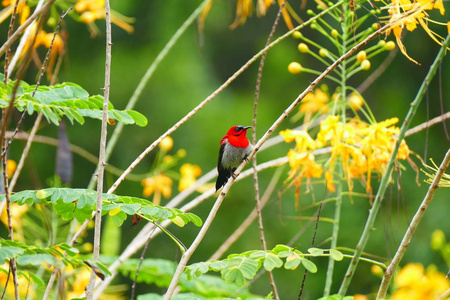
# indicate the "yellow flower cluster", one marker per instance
pixel 362 149
pixel 24 282
pixel 413 283
pixel 92 10
pixel 417 15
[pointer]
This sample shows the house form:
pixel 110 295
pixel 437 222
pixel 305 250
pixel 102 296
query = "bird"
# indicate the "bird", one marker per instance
pixel 234 148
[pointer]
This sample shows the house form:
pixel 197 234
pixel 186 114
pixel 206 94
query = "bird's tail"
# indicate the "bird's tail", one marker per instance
pixel 222 178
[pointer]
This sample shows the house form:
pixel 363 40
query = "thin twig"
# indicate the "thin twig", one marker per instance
pixel 249 220
pixel 133 287
pixel 12 261
pixel 101 164
pixel 10 31
pixel 255 173
pixel 305 272
pixel 412 227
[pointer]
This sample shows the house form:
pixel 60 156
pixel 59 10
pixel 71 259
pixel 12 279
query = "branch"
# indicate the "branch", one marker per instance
pixel 101 163
pixel 387 174
pixel 412 227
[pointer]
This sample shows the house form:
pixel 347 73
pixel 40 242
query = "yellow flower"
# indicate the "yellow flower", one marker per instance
pixel 315 102
pixel 17 212
pixel 92 10
pixel 25 287
pixel 356 101
pixel 417 15
pixel 303 142
pixel 79 284
pixel 413 283
pixel 189 174
pixel 166 144
pixel 159 185
pixel 11 166
pixel 23 9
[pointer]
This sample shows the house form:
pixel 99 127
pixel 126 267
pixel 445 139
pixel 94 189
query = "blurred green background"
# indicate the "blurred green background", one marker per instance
pixel 199 63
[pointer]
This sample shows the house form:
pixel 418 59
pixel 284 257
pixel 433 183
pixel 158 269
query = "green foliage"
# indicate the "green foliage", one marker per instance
pixel 80 204
pixel 238 268
pixel 65 99
pixel 160 272
pixel 31 255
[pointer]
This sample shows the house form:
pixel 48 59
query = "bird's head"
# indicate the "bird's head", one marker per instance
pixel 237 136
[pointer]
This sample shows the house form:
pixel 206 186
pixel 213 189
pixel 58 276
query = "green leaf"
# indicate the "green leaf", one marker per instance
pixel 130 209
pixel 315 251
pixel 119 218
pixel 9 252
pixel 272 261
pixel 309 265
pixel 280 248
pixel 239 269
pixel 36 259
pixel 138 118
pixel 36 279
pixel 292 261
pixel 336 254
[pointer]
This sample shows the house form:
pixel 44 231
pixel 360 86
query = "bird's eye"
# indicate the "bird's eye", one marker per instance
pixel 239 128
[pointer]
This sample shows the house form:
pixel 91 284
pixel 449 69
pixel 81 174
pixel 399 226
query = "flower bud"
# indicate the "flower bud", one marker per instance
pixel 381 43
pixel 297 34
pixel 334 33
pixel 294 68
pixel 166 144
pixel 437 240
pixel 361 56
pixel 323 52
pixel 303 48
pixel 389 46
pixel 365 65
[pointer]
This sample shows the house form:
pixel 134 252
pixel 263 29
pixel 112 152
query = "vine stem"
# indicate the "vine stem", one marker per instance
pixel 101 163
pixel 185 257
pixel 431 190
pixel 387 174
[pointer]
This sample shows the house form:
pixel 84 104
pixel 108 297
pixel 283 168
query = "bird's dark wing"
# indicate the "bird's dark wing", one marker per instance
pixel 224 174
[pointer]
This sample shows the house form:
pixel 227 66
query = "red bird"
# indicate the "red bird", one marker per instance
pixel 234 148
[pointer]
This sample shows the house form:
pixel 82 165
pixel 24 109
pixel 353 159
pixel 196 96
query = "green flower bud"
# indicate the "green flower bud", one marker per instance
pixel 437 240
pixel 334 33
pixel 365 65
pixel 297 34
pixel 323 52
pixel 389 46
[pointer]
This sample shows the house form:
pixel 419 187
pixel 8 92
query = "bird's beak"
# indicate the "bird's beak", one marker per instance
pixel 247 127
